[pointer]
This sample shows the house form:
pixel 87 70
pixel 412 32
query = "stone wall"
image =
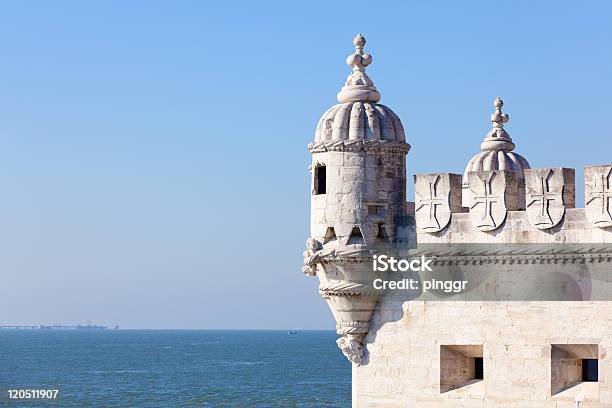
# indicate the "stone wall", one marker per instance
pixel 406 337
pixel 524 344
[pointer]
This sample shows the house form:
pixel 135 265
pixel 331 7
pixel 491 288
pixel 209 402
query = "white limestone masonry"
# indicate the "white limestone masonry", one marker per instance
pixel 425 353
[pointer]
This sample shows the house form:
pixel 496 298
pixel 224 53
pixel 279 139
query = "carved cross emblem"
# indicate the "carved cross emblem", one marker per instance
pixel 432 202
pixel 599 197
pixel 545 207
pixel 488 209
pixel 487 199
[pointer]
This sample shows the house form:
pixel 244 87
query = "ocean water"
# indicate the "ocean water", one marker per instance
pixel 175 368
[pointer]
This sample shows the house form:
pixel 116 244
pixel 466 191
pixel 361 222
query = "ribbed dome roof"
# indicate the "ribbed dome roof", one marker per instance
pixel 496 149
pixel 360 121
pixel 497 160
pixel 358 116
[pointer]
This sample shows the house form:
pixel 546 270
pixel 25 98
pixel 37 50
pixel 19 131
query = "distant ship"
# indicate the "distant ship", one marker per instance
pixel 292 332
pixel 90 327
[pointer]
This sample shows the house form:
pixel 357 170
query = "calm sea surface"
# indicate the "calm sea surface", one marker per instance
pixel 175 368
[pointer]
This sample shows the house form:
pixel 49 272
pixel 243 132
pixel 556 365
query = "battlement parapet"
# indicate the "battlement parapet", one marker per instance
pixel 496 211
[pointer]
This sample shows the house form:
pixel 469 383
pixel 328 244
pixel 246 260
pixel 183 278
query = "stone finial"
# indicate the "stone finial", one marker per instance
pixel 359 60
pixel 498 118
pixel 358 87
pixel 498 138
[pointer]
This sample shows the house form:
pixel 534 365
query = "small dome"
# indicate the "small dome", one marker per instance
pixel 496 153
pixel 360 121
pixel 496 149
pixel 497 160
pixel 359 116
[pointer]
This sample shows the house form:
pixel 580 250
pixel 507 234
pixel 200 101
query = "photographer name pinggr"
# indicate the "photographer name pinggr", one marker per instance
pixel 445 286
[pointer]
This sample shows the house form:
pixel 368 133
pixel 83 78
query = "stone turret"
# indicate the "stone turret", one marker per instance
pixel 358 199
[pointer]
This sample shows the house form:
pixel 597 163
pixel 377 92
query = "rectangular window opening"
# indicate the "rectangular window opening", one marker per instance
pixel 461 365
pixel 320 180
pixel 377 209
pixel 478 368
pixel 572 365
pixel 589 370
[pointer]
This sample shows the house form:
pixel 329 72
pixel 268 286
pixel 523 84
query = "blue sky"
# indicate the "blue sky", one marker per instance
pixel 153 162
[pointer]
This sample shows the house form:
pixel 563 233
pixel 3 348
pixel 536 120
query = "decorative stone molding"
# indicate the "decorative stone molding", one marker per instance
pixel 464 254
pixel 378 146
pixel 356 327
pixel 312 255
pixel 346 282
pixel 598 195
pixel 494 193
pixel 522 259
pixel 548 192
pixel 341 256
pixel 341 288
pixel 437 196
pixel 352 348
